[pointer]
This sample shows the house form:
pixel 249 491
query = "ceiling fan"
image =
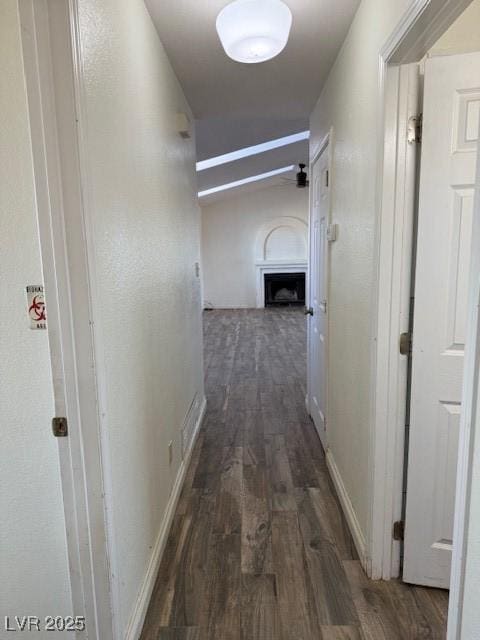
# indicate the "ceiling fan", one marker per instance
pixel 301 180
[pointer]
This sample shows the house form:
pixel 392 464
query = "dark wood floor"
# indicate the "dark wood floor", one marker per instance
pixel 258 548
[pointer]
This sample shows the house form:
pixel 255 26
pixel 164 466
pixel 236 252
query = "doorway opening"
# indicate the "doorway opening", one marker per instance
pixel 427 188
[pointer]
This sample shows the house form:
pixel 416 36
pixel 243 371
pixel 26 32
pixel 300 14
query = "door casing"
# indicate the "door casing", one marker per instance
pixel 52 64
pixel 404 100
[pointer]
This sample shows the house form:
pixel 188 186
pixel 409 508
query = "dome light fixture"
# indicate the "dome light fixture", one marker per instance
pixel 253 31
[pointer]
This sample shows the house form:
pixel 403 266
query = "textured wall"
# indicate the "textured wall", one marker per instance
pixel 229 233
pixel 33 557
pixel 147 235
pixel 348 103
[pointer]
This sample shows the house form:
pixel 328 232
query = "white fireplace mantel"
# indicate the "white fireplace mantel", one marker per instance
pixel 268 266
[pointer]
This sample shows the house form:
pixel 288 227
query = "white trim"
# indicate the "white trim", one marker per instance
pixel 262 268
pixel 281 263
pixel 398 206
pixel 422 24
pixel 321 146
pixel 190 423
pixel 224 306
pixel 48 197
pixel 52 63
pixel 137 619
pixel 348 510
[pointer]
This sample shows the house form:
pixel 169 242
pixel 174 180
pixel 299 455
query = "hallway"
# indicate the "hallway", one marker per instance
pixel 259 549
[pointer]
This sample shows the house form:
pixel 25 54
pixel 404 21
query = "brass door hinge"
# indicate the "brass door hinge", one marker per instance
pixel 399 530
pixel 60 427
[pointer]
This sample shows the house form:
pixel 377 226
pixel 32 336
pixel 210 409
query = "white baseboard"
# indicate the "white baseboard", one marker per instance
pixel 134 627
pixel 349 512
pixel 198 423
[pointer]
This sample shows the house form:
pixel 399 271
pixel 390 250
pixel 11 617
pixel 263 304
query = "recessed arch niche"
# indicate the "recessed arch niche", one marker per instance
pixel 282 239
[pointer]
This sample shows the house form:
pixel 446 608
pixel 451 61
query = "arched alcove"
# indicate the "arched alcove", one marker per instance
pixel 285 243
pixel 282 239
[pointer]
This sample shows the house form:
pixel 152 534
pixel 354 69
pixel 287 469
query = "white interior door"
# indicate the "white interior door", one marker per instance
pixel 447 178
pixel 318 318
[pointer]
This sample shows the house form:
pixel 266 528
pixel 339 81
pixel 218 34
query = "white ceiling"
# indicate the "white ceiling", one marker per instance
pixel 237 105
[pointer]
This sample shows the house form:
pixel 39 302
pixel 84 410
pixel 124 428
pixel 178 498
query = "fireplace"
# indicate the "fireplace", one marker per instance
pixel 284 289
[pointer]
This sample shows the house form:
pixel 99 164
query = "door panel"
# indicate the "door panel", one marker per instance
pixel 447 177
pixel 318 322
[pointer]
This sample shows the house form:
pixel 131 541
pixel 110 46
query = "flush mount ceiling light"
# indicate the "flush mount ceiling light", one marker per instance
pixel 254 30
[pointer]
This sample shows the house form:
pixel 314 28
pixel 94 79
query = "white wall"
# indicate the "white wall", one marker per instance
pixel 147 239
pixel 230 229
pixel 348 103
pixel 33 556
pixel 464 34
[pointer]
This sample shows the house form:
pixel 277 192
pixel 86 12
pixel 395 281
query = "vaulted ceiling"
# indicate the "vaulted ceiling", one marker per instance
pixel 237 105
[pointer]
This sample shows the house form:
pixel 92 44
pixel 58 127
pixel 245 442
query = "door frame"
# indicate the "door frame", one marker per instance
pixel 325 145
pixel 403 96
pixel 53 75
pixel 422 24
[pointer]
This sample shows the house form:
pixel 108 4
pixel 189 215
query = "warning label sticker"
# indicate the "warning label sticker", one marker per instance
pixel 36 307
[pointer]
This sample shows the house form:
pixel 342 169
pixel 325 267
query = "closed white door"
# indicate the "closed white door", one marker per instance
pixel 318 318
pixel 447 177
